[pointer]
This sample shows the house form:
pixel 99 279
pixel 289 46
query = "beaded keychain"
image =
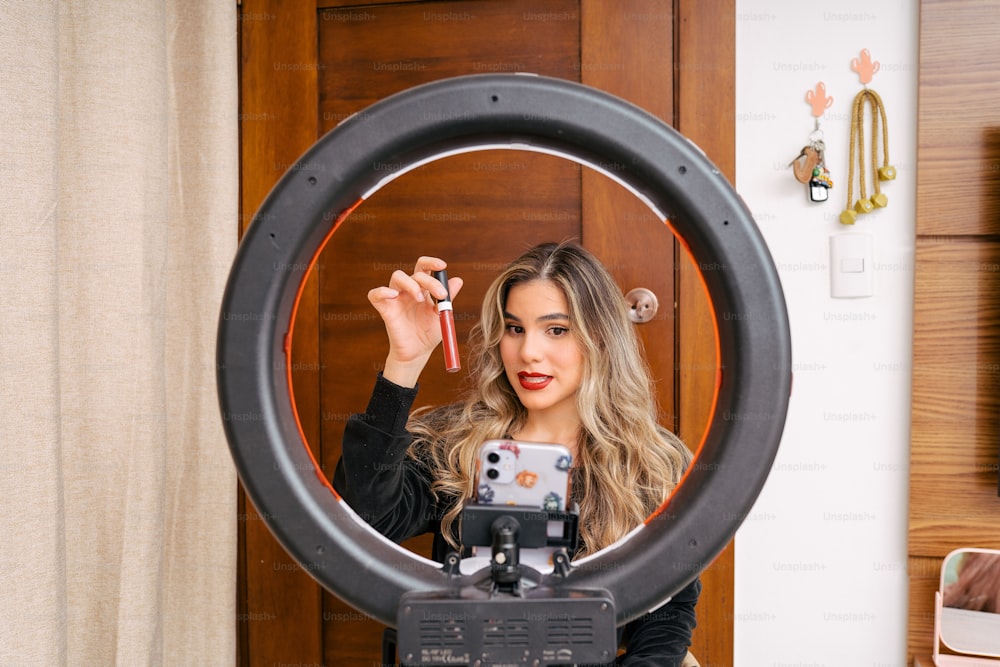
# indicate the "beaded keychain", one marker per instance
pixel 866 68
pixel 810 165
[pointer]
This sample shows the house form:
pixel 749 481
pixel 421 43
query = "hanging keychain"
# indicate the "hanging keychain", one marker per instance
pixel 866 69
pixel 810 165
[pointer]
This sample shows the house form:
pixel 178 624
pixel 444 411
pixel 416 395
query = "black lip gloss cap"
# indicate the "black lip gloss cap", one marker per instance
pixel 442 277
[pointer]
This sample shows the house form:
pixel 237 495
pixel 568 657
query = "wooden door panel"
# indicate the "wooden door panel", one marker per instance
pixel 279 605
pixel 958 143
pixel 386 49
pixel 955 407
pixel 477 210
pixel 627 50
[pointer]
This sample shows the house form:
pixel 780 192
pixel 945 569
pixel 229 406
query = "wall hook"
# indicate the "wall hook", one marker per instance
pixel 865 66
pixel 819 100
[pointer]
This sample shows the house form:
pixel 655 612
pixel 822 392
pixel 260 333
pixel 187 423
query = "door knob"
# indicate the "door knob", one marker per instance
pixel 642 305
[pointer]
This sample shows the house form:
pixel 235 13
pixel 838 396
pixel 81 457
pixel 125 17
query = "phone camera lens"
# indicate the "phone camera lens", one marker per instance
pixel 493 457
pixel 492 473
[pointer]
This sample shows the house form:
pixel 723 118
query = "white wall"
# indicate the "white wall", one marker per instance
pixel 821 561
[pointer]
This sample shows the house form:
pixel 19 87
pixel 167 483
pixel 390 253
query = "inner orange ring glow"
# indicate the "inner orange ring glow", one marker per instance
pixel 718 368
pixel 287 346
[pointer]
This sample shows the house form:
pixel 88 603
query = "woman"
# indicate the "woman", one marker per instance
pixel 554 359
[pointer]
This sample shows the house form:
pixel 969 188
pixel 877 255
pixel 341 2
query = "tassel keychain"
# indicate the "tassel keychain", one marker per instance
pixel 865 204
pixel 810 165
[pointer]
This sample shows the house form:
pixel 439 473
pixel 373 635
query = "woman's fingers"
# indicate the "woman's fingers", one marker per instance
pixel 422 273
pixel 427 264
pixel 405 284
pixel 417 285
pixel 378 295
pixel 411 321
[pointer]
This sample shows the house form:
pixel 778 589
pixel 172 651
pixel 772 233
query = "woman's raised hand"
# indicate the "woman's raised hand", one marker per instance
pixel 406 306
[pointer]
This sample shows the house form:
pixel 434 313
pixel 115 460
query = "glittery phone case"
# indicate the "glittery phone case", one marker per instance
pixel 529 474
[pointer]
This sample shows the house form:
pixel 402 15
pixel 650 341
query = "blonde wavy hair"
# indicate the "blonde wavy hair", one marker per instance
pixel 626 463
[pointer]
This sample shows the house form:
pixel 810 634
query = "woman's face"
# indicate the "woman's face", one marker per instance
pixel 541 354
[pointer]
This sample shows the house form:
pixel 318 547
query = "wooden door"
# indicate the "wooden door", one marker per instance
pixel 305 67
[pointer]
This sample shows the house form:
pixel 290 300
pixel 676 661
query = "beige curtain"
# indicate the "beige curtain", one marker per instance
pixel 118 215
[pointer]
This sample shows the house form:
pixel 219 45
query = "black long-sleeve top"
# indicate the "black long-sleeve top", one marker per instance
pixel 391 491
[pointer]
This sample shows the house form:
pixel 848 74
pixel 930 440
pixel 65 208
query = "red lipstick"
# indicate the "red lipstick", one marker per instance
pixel 449 338
pixel 534 381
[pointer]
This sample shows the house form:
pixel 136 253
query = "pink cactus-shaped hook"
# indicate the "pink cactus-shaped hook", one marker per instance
pixel 865 66
pixel 818 99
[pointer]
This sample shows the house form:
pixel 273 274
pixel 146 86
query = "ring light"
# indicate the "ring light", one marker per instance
pixel 478 112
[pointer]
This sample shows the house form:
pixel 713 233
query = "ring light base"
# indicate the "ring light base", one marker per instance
pixel 543 627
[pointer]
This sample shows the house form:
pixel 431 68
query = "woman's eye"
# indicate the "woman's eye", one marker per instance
pixel 558 331
pixel 515 329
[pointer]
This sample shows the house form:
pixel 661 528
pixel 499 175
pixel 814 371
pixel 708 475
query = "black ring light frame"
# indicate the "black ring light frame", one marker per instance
pixel 520 112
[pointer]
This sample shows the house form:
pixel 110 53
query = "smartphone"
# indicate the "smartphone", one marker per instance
pixel 530 474
pixel 527 474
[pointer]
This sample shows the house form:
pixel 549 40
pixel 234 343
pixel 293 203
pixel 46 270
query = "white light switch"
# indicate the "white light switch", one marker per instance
pixel 851 266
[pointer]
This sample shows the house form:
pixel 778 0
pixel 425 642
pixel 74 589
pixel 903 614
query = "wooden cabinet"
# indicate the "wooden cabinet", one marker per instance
pixel 955 423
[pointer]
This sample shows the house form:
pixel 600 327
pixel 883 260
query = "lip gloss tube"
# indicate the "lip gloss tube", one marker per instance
pixel 449 338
